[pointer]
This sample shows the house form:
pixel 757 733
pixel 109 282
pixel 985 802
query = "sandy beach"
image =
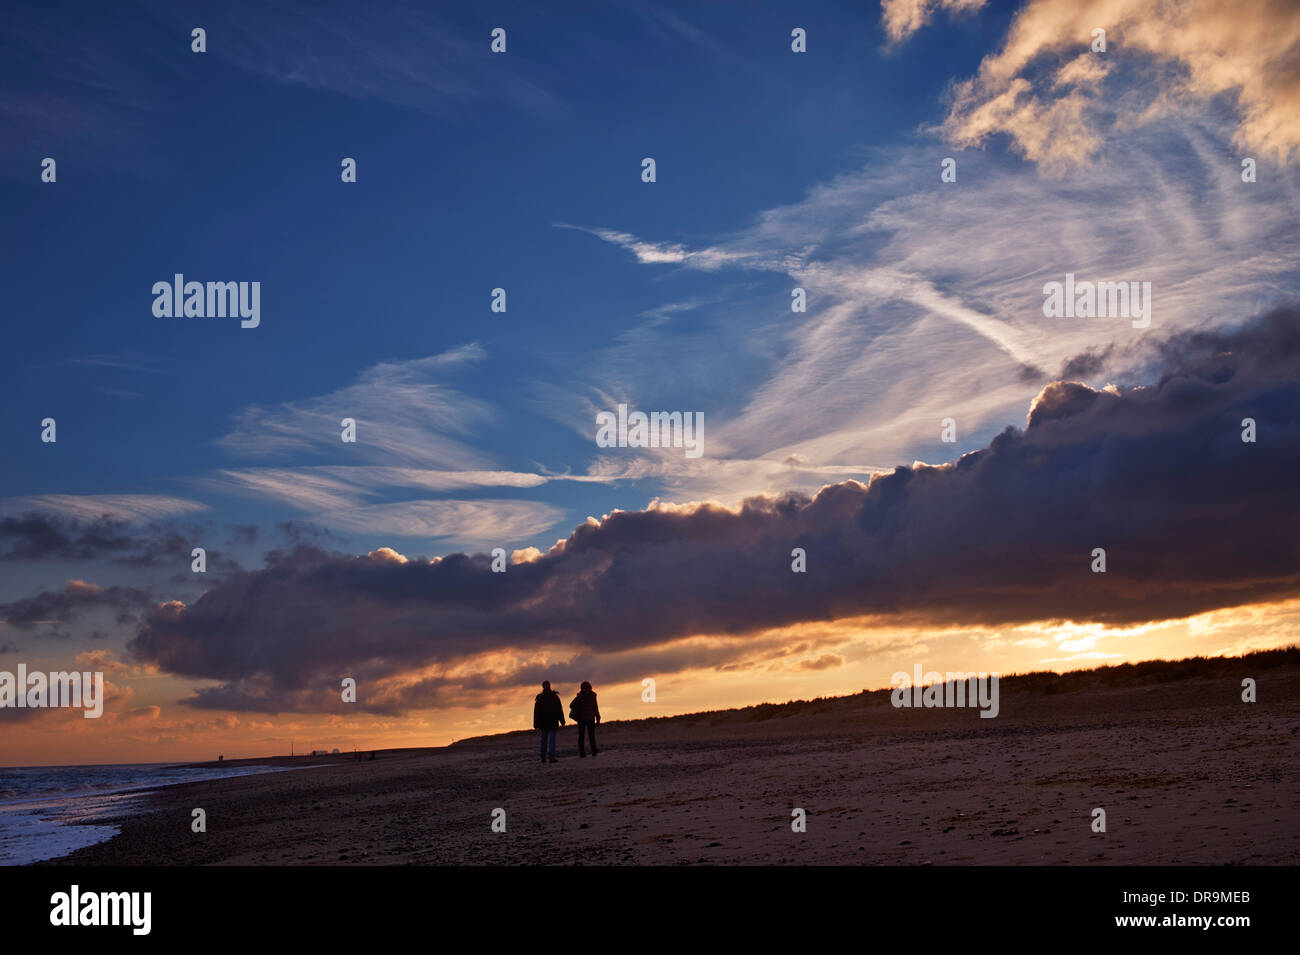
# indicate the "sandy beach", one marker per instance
pixel 1186 772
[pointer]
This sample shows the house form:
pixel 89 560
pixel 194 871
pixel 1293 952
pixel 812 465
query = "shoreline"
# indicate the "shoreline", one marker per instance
pixel 34 825
pixel 1186 772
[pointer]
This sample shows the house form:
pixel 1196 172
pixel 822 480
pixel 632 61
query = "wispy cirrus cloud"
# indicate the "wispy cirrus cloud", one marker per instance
pixel 341 498
pixel 91 507
pixel 325 487
pixel 925 302
pixel 126 362
pixel 677 28
pixel 407 54
pixel 406 414
pixel 304 489
pixel 482 523
pixel 667 253
pixel 112 77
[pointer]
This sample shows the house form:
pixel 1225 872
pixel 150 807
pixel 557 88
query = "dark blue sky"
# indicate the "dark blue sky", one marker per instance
pixel 225 166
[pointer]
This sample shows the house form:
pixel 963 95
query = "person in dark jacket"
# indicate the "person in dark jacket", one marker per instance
pixel 586 713
pixel 548 716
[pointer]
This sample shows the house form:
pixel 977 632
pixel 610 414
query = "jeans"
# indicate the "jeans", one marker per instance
pixel 548 735
pixel 589 727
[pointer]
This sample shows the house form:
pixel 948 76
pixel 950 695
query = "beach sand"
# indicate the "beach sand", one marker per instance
pixel 1186 772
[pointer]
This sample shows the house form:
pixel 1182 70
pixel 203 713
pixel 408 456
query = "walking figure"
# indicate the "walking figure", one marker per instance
pixel 586 713
pixel 548 716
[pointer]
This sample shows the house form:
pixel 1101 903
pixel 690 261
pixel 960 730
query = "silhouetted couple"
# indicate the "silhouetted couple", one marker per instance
pixel 548 717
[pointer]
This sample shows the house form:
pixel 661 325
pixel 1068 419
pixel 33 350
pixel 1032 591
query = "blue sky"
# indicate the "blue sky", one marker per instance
pixel 522 171
pixel 226 166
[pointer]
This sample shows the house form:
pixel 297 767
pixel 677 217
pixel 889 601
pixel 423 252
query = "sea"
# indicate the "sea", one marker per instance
pixel 49 811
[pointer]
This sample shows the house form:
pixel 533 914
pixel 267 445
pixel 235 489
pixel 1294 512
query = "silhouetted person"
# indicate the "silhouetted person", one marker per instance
pixel 548 716
pixel 586 713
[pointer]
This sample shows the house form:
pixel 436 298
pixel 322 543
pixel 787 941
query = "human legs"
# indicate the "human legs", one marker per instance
pixel 586 730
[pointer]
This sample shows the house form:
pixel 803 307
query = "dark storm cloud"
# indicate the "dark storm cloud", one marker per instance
pixel 1086 365
pixel 1030 374
pixel 1191 518
pixel 75 600
pixel 47 537
pixel 38 537
pixel 43 537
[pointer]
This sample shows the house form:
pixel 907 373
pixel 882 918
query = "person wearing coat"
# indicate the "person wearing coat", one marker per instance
pixel 586 713
pixel 548 716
